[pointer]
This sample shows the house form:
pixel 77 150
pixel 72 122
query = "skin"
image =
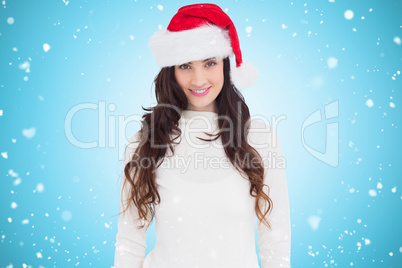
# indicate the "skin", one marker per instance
pixel 199 75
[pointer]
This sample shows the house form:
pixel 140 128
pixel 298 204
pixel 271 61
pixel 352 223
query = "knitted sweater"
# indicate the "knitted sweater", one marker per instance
pixel 206 217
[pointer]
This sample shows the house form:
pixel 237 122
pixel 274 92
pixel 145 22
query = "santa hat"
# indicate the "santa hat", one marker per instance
pixel 198 32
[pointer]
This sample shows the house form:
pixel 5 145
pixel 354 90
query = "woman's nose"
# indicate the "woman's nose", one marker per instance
pixel 199 78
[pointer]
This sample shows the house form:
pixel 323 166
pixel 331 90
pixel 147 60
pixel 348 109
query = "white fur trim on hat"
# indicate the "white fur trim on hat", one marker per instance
pixel 175 48
pixel 244 76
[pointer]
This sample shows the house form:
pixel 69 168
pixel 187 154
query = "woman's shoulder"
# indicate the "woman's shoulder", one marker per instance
pixel 261 133
pixel 135 137
pixel 258 123
pixel 132 143
pixel 134 140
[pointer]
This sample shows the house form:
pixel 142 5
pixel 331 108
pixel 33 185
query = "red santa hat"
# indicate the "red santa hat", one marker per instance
pixel 198 32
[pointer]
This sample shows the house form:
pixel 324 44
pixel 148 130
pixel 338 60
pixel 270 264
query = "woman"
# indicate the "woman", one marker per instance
pixel 198 164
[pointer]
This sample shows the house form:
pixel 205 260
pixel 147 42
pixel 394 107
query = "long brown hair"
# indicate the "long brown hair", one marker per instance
pixel 162 121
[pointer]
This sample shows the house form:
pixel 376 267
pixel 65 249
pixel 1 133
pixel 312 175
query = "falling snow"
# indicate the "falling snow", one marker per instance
pixel 40 187
pixel 10 20
pixel 61 208
pixel 348 14
pixel 29 133
pixel 314 222
pixel 66 215
pixel 332 62
pixel 25 66
pixel 369 103
pixel 372 193
pixel 46 47
pixel 379 185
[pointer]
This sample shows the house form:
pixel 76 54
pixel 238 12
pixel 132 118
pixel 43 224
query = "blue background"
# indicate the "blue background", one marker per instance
pixel 59 201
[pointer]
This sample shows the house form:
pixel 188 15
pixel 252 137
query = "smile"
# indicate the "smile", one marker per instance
pixel 200 92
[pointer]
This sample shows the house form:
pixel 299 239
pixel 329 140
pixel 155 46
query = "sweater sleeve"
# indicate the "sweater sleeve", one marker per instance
pixel 130 241
pixel 274 244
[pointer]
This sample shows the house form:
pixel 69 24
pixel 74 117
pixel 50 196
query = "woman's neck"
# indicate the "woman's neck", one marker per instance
pixel 213 107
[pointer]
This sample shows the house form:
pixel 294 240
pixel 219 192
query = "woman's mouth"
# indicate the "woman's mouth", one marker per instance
pixel 200 92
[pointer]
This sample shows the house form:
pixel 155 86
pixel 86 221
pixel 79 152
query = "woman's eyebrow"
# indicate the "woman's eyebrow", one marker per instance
pixel 202 61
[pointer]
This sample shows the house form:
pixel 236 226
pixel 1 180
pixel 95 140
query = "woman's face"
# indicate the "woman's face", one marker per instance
pixel 204 76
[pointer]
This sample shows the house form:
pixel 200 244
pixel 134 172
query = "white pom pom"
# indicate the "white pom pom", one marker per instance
pixel 244 76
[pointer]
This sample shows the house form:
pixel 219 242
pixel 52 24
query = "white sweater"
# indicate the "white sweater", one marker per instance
pixel 206 216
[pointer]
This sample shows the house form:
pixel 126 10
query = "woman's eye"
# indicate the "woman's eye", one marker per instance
pixel 184 66
pixel 211 63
